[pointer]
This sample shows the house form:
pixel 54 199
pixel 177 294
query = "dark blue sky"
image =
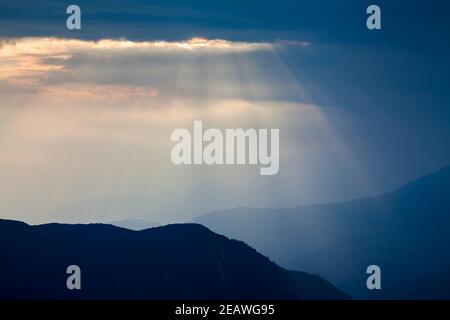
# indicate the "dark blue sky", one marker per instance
pixel 411 23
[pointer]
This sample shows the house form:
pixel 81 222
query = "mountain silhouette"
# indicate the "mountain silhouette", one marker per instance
pixel 181 261
pixel 406 232
pixel 134 224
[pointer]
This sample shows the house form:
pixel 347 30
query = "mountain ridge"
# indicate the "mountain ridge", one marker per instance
pixel 178 261
pixel 339 240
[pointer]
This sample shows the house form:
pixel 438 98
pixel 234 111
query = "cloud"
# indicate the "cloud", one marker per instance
pixel 94 68
pixel 100 92
pixel 114 70
pixel 7 42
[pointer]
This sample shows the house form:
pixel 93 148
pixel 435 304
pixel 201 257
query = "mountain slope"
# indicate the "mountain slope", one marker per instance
pixel 134 224
pixel 405 232
pixel 184 261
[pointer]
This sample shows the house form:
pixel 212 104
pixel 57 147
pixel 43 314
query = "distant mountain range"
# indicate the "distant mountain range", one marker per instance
pixel 406 232
pixel 182 261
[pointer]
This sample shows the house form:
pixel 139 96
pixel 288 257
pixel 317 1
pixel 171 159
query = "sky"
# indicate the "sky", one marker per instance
pixel 86 115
